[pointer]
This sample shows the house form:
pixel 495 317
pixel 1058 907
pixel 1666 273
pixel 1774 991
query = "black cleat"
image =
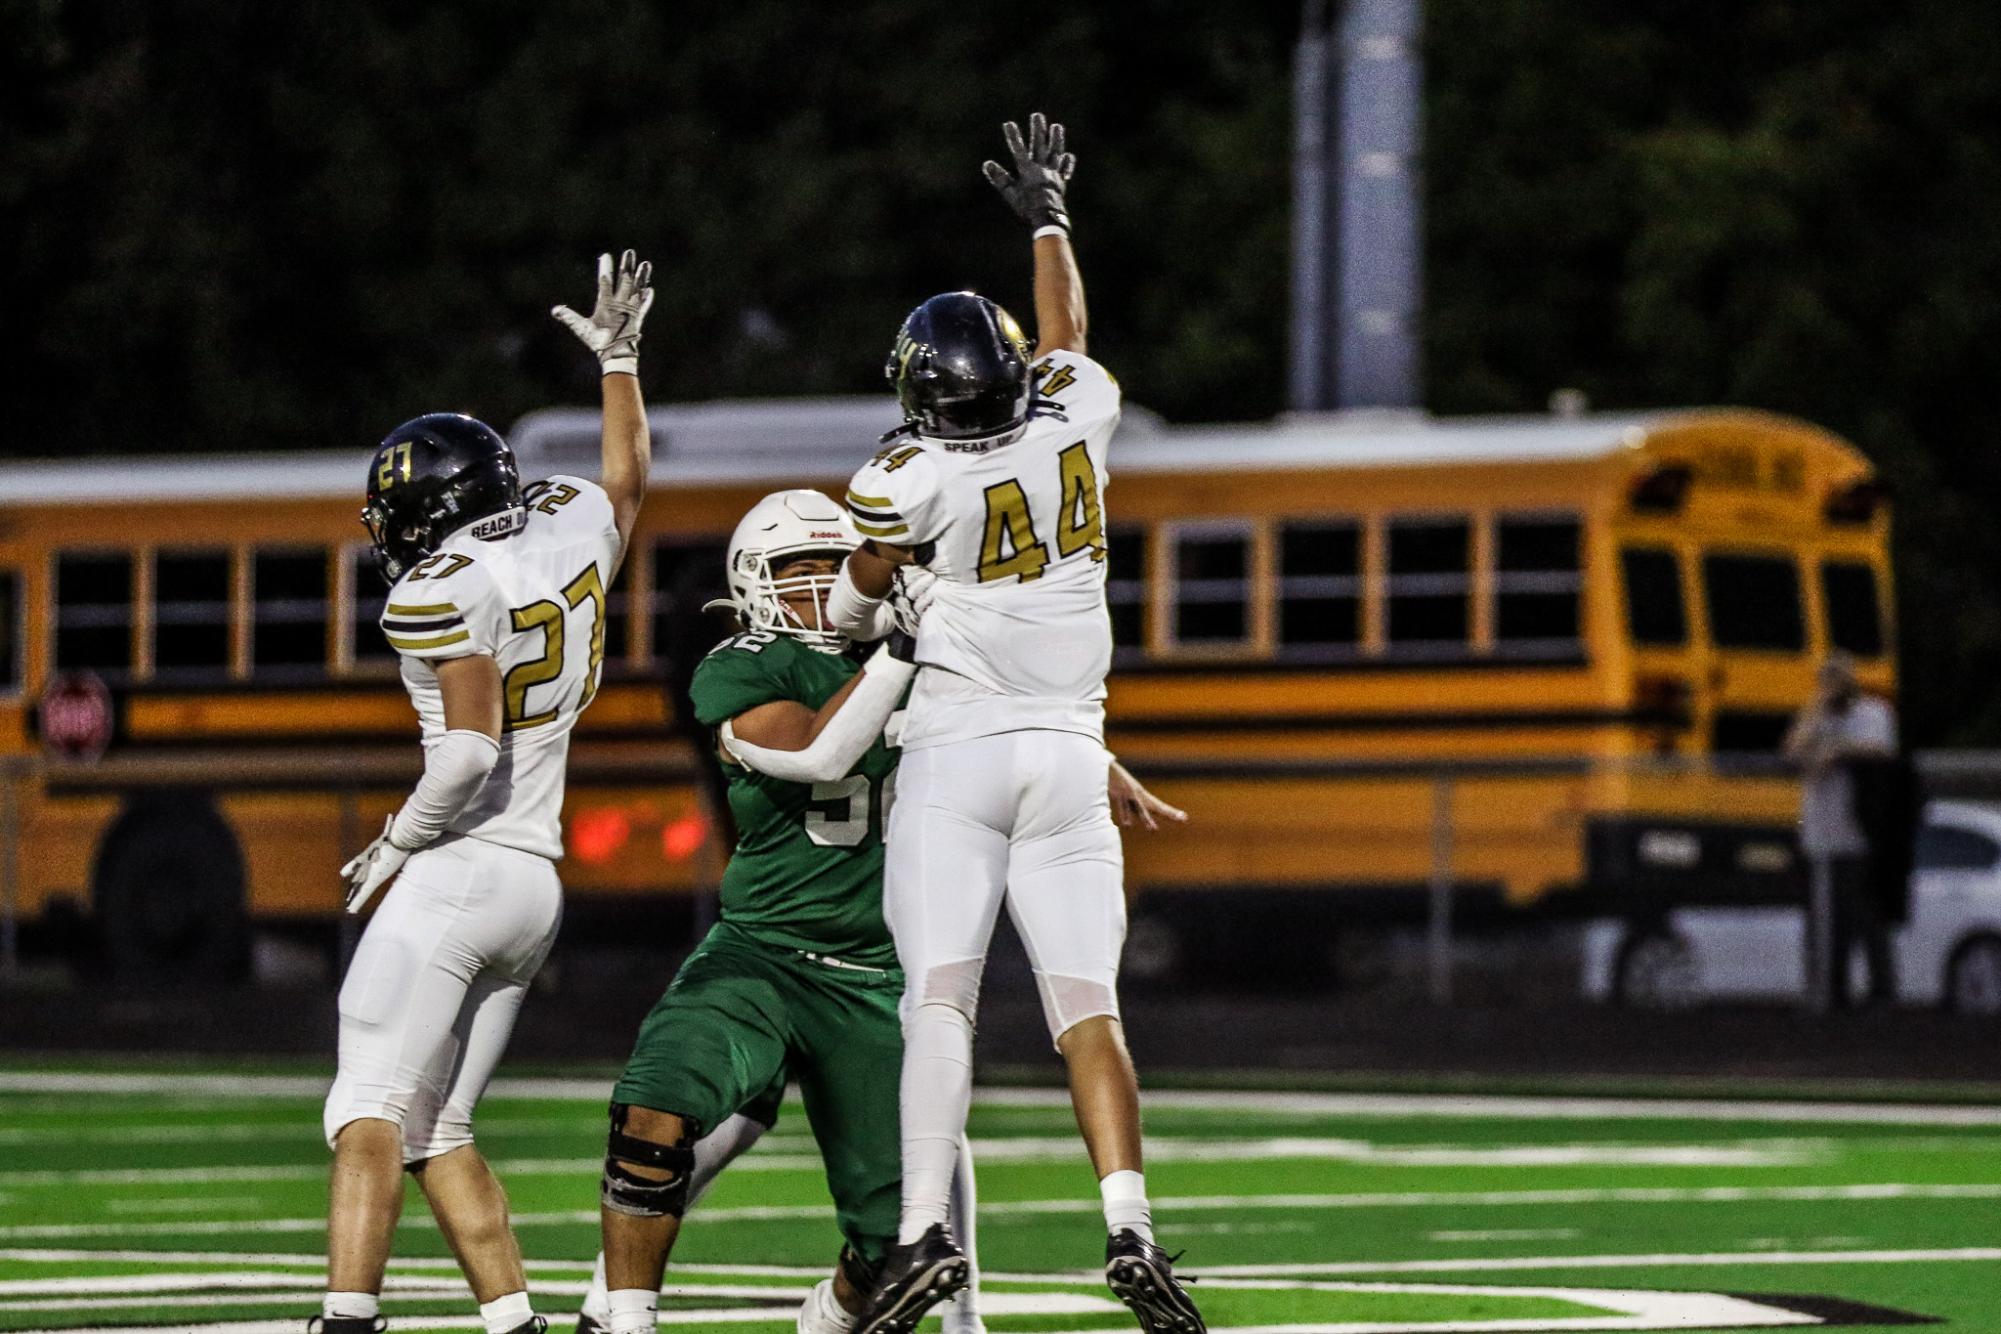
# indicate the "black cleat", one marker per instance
pixel 587 1325
pixel 912 1280
pixel 1141 1275
pixel 346 1324
pixel 535 1324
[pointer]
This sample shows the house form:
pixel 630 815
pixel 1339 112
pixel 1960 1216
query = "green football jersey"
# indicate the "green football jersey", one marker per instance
pixel 807 870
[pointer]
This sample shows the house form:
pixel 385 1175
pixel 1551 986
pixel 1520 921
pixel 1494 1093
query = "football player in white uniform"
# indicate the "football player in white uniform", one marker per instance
pixel 497 609
pixel 996 485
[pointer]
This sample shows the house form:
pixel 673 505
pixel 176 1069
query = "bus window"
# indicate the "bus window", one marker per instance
pixel 94 612
pixel 1319 589
pixel 289 632
pixel 1212 588
pixel 10 631
pixel 1748 731
pixel 190 613
pixel 687 573
pixel 618 613
pixel 1753 601
pixel 1854 619
pixel 1125 591
pixel 1429 581
pixel 371 595
pixel 1655 615
pixel 1537 577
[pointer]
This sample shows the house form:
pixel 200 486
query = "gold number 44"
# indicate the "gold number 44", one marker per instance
pixel 1009 547
pixel 547 616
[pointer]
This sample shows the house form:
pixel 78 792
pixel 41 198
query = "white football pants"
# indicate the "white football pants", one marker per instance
pixel 1021 817
pixel 433 990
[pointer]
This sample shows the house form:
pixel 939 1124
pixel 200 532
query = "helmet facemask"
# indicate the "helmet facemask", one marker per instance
pixel 761 595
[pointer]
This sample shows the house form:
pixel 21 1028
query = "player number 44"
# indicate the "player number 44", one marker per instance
pixel 1009 547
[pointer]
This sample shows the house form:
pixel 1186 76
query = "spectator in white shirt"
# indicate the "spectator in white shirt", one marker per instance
pixel 1841 729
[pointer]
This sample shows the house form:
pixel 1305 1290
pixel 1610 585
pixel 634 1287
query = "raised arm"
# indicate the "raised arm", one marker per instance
pixel 1035 192
pixel 625 294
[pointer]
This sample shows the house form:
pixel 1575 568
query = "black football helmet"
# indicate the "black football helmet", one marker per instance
pixel 432 476
pixel 961 368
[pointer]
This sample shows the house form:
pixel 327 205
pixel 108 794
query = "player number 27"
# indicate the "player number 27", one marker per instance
pixel 1009 547
pixel 548 617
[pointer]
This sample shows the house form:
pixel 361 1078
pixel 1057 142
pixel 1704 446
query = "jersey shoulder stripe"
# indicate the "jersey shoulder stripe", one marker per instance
pixel 443 608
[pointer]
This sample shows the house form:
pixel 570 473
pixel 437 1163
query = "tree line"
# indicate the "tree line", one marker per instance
pixel 227 225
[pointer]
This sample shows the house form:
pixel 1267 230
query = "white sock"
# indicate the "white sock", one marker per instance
pixel 962 1313
pixel 936 1093
pixel 1125 1203
pixel 633 1310
pixel 505 1313
pixel 597 1302
pixel 823 1314
pixel 351 1306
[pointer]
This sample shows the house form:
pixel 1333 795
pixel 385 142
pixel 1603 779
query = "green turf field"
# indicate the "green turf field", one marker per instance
pixel 193 1202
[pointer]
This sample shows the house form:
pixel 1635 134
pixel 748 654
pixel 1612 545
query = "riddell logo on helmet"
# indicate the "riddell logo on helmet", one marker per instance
pixel 826 534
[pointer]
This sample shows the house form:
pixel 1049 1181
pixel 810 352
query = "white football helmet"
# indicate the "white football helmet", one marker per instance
pixel 780 527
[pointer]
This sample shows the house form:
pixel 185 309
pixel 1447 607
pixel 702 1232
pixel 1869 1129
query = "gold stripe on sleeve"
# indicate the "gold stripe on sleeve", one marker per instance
pixel 872 502
pixel 874 530
pixel 428 609
pixel 420 645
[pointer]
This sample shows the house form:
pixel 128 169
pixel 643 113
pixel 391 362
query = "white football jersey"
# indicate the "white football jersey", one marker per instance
pixel 1018 636
pixel 535 602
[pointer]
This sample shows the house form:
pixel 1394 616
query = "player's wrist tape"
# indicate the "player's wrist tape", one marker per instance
pixel 620 365
pixel 856 614
pixel 1051 229
pixel 455 765
pixel 847 735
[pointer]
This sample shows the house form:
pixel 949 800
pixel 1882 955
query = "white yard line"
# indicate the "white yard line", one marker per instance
pixel 237 1088
pixel 317 1262
pixel 1221 1273
pixel 1508 1234
pixel 1053 1149
pixel 1168 1204
pixel 285 1132
pixel 1621 1311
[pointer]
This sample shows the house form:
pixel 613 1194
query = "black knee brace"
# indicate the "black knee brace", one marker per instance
pixel 625 1191
pixel 860 1273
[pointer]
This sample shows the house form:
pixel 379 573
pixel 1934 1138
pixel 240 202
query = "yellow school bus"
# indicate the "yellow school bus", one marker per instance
pixel 1318 621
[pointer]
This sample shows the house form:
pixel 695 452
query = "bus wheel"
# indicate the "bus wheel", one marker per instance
pixel 1656 971
pixel 1973 978
pixel 168 889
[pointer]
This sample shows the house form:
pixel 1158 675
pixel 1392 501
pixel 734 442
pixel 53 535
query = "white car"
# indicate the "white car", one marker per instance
pixel 1948 953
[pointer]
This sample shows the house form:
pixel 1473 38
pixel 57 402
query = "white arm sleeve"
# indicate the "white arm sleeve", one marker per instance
pixel 856 614
pixel 847 735
pixel 455 765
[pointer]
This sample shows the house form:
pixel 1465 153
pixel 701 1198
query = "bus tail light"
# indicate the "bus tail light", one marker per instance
pixel 1856 502
pixel 1661 490
pixel 682 838
pixel 598 833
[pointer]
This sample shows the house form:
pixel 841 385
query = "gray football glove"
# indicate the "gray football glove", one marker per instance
pixel 911 596
pixel 1041 174
pixel 612 332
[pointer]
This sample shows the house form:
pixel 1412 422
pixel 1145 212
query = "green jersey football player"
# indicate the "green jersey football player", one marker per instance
pixel 799 979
